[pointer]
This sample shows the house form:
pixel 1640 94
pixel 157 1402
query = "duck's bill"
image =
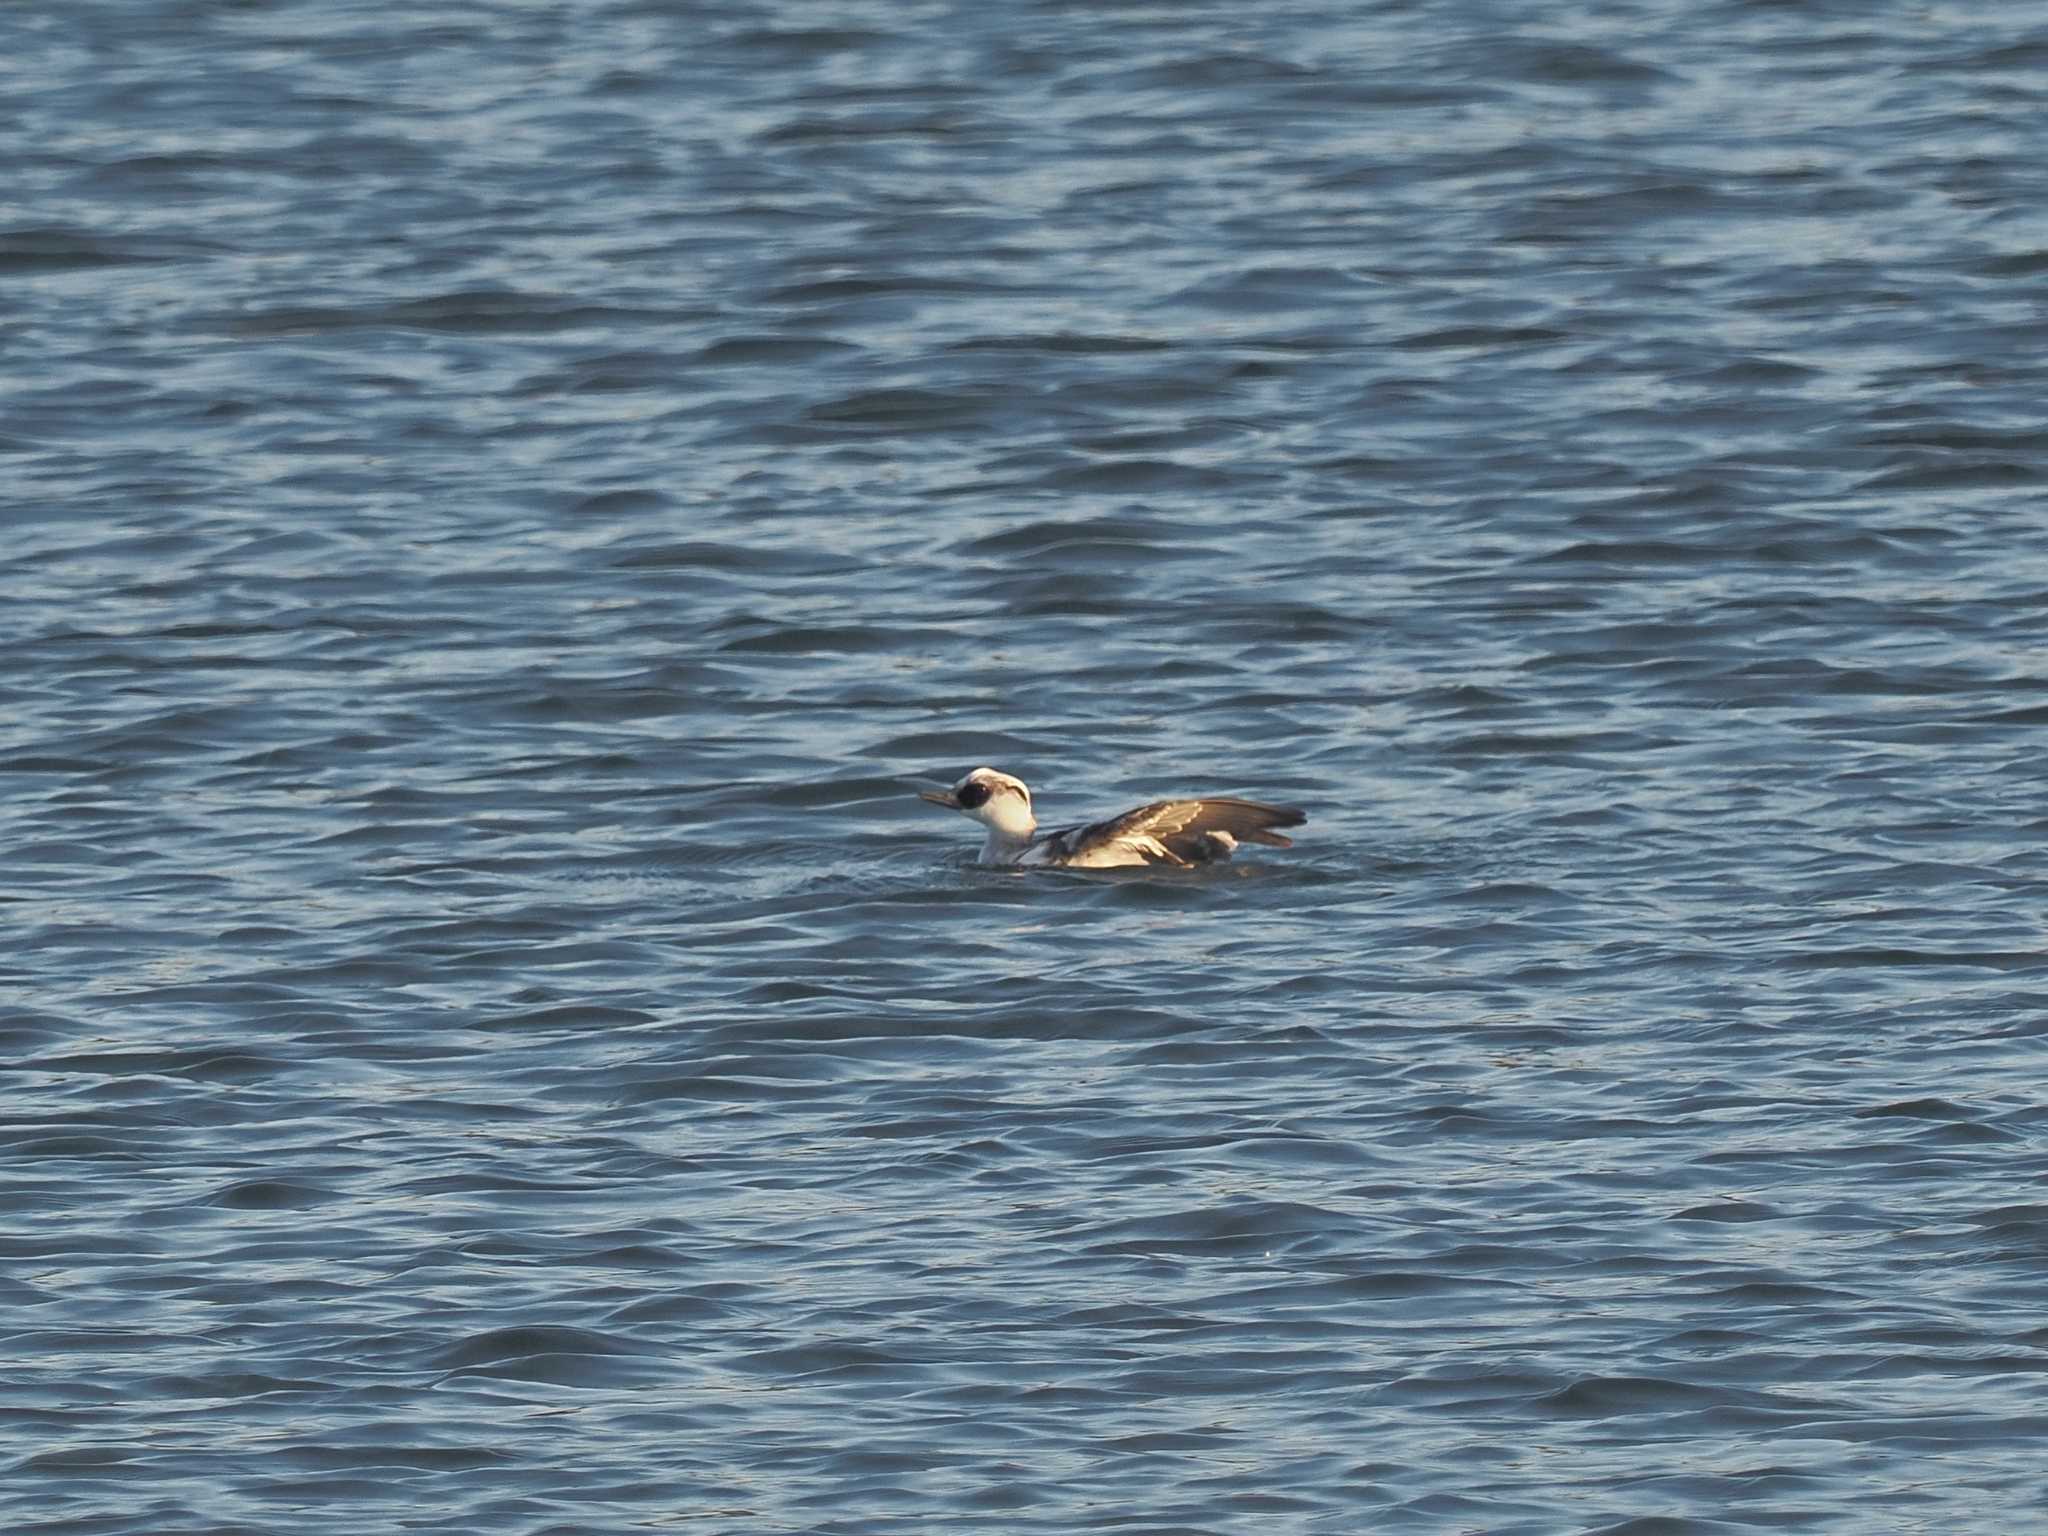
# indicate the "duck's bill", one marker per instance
pixel 939 797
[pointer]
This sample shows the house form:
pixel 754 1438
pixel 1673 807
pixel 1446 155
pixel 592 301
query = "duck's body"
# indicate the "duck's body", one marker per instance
pixel 1172 832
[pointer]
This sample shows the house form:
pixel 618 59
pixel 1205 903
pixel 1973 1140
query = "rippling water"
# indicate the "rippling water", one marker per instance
pixel 506 504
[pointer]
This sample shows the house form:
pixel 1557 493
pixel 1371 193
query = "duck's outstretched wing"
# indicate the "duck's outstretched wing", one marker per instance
pixel 1181 832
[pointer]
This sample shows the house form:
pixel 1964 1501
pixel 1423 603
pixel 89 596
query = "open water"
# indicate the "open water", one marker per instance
pixel 505 503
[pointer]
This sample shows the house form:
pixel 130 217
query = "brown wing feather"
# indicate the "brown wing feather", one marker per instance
pixel 1182 827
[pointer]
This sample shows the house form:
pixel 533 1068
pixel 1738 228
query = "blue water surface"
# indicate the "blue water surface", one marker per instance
pixel 506 503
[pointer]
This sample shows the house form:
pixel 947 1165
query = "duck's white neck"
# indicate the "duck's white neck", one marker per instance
pixel 1010 825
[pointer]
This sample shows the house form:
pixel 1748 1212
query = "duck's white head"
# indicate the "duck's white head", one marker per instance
pixel 997 801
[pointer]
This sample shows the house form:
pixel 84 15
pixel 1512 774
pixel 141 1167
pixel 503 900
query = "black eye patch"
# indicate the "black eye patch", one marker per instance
pixel 971 795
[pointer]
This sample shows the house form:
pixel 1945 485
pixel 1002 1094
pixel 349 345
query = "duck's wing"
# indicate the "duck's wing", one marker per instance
pixel 1180 832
